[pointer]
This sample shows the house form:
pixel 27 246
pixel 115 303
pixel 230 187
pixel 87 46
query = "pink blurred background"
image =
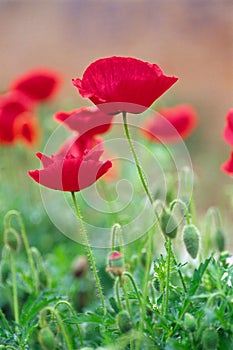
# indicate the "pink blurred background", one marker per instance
pixel 192 39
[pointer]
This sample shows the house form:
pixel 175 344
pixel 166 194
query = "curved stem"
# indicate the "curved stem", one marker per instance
pixel 139 168
pixel 7 220
pixel 15 291
pixel 125 273
pixel 89 251
pixel 64 302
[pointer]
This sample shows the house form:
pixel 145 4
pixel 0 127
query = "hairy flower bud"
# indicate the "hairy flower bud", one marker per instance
pixel 219 239
pixel 47 339
pixel 168 224
pixel 191 240
pixel 210 339
pixel 190 322
pixel 123 321
pixel 80 266
pixel 11 239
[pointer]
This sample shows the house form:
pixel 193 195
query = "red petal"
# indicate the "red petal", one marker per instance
pixel 169 125
pixel 228 129
pixel 12 105
pixel 85 120
pixel 123 80
pixel 227 167
pixel 38 84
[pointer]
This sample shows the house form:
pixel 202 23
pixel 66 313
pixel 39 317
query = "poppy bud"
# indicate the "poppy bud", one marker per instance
pixel 47 339
pixel 219 239
pixel 115 259
pixel 5 271
pixel 11 239
pixel 80 266
pixel 168 224
pixel 123 321
pixel 210 339
pixel 190 322
pixel 113 304
pixel 43 278
pixel 191 240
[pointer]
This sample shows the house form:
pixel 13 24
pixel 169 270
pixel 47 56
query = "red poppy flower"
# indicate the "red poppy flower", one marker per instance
pixel 228 130
pixel 12 105
pixel 85 120
pixel 66 172
pixel 119 84
pixel 37 84
pixel 26 129
pixel 169 125
pixel 227 167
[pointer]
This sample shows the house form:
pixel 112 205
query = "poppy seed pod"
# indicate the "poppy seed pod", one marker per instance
pixel 47 339
pixel 191 240
pixel 168 224
pixel 123 321
pixel 210 339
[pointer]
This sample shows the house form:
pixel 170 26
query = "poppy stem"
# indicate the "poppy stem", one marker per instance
pixel 139 168
pixel 15 290
pixel 89 251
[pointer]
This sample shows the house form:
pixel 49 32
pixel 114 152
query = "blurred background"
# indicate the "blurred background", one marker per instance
pixel 191 39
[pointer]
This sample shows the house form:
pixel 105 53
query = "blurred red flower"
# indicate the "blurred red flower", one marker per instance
pixel 171 124
pixel 71 171
pixel 227 167
pixel 26 129
pixel 12 105
pixel 118 84
pixel 37 84
pixel 85 120
pixel 228 129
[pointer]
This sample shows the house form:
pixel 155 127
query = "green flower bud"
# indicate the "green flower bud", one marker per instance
pixel 191 240
pixel 113 304
pixel 210 339
pixel 190 322
pixel 43 278
pixel 123 321
pixel 219 239
pixel 5 271
pixel 11 239
pixel 168 224
pixel 47 339
pixel 115 259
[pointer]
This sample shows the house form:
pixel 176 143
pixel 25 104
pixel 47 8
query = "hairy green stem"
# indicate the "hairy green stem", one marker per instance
pixel 15 290
pixel 89 251
pixel 168 266
pixel 117 293
pixel 139 168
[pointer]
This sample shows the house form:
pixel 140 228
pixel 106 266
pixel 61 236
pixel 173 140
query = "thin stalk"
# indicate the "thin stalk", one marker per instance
pixel 108 198
pixel 139 168
pixel 117 294
pixel 89 251
pixel 168 266
pixel 134 286
pixel 8 216
pixel 64 302
pixel 15 290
